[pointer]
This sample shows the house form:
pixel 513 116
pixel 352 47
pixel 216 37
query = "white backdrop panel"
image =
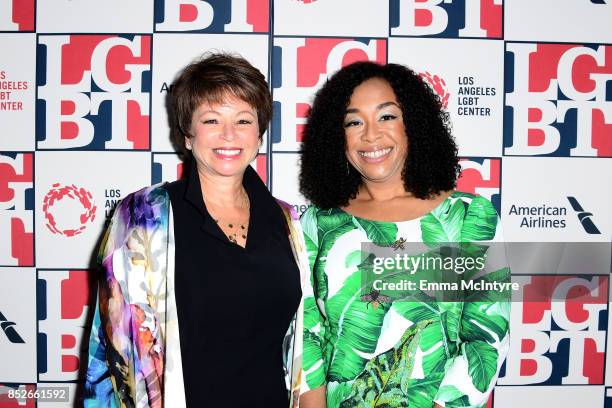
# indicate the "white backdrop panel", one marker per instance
pixel 474 85
pixel 173 51
pixel 363 18
pixel 554 20
pixel 559 397
pixel 107 176
pixel 18 338
pixel 17 87
pixel 92 16
pixel 543 187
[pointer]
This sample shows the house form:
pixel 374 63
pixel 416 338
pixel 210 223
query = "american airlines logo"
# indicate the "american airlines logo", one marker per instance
pixel 8 328
pixel 547 216
pixel 584 217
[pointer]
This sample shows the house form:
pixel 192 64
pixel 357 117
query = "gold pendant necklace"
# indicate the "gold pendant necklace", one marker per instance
pixel 232 236
pixel 237 229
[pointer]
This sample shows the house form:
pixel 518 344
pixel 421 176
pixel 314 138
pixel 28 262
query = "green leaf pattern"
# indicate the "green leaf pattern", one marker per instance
pixel 449 352
pixel 385 378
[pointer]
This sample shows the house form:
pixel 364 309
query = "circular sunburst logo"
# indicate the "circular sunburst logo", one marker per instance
pixel 68 209
pixel 439 86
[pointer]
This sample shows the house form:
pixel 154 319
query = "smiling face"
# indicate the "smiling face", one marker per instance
pixel 224 137
pixel 376 142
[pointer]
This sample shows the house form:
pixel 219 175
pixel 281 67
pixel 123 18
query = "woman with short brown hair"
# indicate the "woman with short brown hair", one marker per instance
pixel 202 276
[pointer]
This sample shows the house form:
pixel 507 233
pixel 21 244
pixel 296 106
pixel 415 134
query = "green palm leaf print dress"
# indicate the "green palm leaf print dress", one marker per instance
pixel 401 353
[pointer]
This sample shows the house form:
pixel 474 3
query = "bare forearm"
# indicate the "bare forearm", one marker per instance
pixel 313 398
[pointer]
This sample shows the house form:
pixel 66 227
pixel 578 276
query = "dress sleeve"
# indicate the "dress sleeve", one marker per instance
pixel 483 339
pixel 315 368
pixel 98 384
pixel 106 380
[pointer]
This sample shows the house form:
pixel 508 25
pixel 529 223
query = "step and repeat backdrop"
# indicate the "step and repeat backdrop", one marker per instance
pixel 83 87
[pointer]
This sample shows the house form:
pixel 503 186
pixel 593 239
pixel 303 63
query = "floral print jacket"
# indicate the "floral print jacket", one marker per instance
pixel 134 351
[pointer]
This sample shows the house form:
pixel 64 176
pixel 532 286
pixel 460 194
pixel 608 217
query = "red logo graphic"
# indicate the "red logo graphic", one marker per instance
pixel 439 85
pixel 63 321
pixel 559 100
pixel 480 176
pixel 445 18
pixel 17 15
pixel 301 66
pixel 21 396
pixel 261 166
pixel 16 208
pixel 91 87
pixel 61 221
pixel 166 167
pixel 213 16
pixel 559 331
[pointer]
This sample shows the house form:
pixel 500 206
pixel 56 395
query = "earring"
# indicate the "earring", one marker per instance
pixel 188 146
pixel 348 171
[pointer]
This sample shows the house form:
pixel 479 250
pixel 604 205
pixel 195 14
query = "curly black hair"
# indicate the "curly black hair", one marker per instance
pixel 432 164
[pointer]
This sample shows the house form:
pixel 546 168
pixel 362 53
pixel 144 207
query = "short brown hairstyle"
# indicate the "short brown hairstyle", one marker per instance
pixel 210 79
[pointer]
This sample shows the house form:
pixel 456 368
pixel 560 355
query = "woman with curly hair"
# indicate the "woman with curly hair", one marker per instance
pixel 379 165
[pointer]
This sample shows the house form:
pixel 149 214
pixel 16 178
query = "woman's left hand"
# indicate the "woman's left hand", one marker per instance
pixel 437 406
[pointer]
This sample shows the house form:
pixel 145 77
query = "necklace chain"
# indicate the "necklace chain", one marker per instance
pixel 240 227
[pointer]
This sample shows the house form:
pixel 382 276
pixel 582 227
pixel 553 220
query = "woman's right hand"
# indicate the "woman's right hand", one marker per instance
pixel 313 398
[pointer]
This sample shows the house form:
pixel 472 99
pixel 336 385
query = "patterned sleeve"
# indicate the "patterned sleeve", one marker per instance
pixel 314 321
pixel 126 351
pixel 483 337
pixel 107 371
pixel 98 384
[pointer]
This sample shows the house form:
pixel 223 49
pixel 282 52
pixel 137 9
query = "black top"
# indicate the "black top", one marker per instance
pixel 234 304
